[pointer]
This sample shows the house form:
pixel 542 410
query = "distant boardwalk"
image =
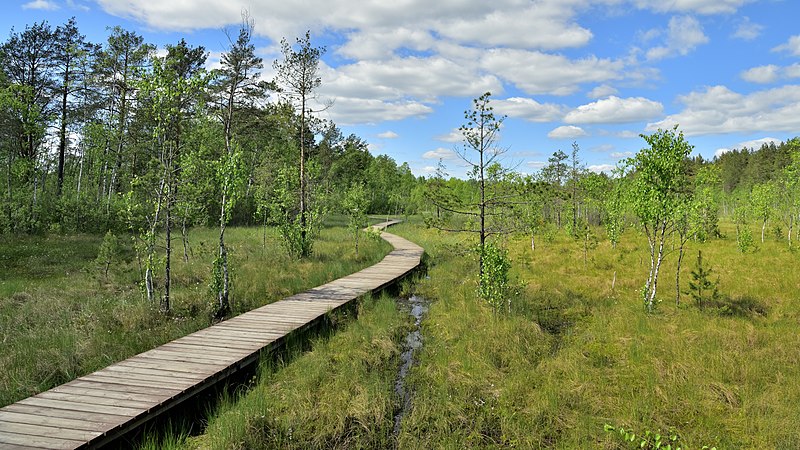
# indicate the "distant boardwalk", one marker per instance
pixel 93 410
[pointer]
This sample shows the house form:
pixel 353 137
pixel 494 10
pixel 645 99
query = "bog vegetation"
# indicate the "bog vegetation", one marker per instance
pixel 570 309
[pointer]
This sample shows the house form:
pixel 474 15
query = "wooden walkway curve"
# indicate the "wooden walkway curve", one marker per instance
pixel 98 408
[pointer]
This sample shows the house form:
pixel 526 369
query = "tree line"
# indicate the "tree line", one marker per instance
pixel 118 136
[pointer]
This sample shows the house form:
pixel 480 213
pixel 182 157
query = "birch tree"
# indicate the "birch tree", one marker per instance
pixel 656 190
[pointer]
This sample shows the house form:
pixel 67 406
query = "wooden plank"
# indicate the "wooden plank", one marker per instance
pixel 98 391
pixel 155 371
pixel 15 439
pixel 158 380
pixel 181 367
pixel 86 416
pixel 69 406
pixel 173 355
pixel 234 345
pixel 207 349
pixel 48 431
pixel 135 382
pixel 60 422
pixel 105 386
pixel 96 399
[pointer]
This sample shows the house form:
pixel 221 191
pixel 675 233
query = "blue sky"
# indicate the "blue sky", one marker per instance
pixel 597 72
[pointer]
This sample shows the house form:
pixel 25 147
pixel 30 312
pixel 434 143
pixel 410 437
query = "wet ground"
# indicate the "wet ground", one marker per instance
pixel 416 307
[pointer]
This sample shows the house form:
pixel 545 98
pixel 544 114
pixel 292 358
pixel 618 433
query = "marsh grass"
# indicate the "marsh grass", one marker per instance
pixel 575 354
pixel 340 394
pixel 60 318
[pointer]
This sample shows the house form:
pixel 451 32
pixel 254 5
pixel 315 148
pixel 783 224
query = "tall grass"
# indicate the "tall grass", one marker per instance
pixel 574 354
pixel 338 395
pixel 60 318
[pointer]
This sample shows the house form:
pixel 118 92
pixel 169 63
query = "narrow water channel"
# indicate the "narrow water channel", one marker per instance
pixel 417 307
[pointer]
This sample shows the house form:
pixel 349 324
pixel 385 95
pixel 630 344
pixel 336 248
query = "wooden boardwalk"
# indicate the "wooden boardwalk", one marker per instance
pixel 98 408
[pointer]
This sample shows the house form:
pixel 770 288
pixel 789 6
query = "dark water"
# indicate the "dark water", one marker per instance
pixel 417 307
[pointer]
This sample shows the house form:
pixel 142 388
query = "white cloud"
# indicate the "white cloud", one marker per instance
pixel 761 74
pixel 792 71
pixel 792 46
pixel 627 134
pixel 454 135
pixel 440 153
pixel 44 5
pixel 567 132
pixel 428 170
pixel 349 111
pixel 757 143
pixel 598 168
pixel 388 135
pixel 684 34
pixel 752 145
pixel 542 73
pixel 602 91
pixel 717 109
pixel 620 155
pixel 747 30
pixel 542 24
pixel 75 5
pixel 421 78
pixel 721 151
pixel 536 164
pixel 528 109
pixel 696 6
pixel 615 110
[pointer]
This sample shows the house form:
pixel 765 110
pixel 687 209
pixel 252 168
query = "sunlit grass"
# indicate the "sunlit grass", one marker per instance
pixel 575 354
pixel 340 394
pixel 61 318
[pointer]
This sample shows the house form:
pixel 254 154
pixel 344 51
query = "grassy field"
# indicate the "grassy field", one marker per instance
pixel 60 317
pixel 573 356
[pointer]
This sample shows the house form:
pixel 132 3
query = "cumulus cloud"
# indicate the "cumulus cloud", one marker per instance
pixel 528 109
pixel 791 46
pixel 684 34
pixel 536 164
pixel 752 145
pixel 621 155
pixel 349 111
pixel 599 168
pixel 44 5
pixel 696 6
pixel 615 110
pixel 718 109
pixel 388 135
pixel 792 71
pixel 440 153
pixel 454 135
pixel 567 132
pixel 543 73
pixel 602 91
pixel 761 74
pixel 747 30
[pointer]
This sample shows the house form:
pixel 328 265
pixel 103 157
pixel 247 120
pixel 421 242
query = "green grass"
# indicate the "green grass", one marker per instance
pixel 60 318
pixel 340 394
pixel 574 355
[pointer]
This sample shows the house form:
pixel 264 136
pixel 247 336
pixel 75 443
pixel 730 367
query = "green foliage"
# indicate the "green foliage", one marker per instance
pixel 701 288
pixel 744 236
pixel 493 283
pixel 648 440
pixel 297 235
pixel 656 194
pixel 355 205
pixel 108 253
